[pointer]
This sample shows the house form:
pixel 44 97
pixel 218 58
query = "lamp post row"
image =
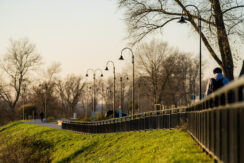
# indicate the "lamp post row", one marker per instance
pixel 94 84
pixel 114 93
pixel 182 20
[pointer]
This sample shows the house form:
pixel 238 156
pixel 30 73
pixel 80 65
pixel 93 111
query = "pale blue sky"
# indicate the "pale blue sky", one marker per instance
pixel 79 34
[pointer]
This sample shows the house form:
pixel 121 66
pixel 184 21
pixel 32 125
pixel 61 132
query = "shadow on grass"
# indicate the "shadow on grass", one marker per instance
pixel 10 126
pixel 76 153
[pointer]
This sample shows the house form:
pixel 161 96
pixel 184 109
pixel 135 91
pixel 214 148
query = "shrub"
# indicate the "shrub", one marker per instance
pixel 25 150
pixel 50 119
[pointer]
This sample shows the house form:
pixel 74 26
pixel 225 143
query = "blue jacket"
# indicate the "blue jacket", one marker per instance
pixel 221 76
pixel 217 77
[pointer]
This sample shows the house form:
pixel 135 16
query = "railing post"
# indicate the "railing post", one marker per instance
pixel 233 135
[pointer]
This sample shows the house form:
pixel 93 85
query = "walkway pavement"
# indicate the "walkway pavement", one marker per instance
pixel 49 124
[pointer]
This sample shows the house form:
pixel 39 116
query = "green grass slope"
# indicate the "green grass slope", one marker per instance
pixel 66 146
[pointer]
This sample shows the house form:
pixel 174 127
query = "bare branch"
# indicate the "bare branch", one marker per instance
pixel 235 7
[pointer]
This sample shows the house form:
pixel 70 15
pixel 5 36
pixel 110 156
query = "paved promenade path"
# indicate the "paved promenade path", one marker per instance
pixel 50 124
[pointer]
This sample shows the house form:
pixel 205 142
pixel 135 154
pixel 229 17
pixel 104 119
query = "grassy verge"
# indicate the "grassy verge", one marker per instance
pixel 67 146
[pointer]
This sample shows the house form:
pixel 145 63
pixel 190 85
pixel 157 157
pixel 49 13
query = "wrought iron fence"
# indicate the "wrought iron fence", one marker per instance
pixel 165 119
pixel 216 122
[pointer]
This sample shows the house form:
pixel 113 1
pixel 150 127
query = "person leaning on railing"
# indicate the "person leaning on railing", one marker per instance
pixel 216 82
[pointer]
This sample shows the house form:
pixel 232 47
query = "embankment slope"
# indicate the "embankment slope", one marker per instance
pixel 32 143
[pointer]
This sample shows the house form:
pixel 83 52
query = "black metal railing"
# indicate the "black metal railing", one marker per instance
pixel 146 121
pixel 216 122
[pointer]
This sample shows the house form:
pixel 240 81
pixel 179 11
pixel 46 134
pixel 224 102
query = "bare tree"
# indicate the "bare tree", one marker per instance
pixel 70 91
pixel 101 93
pixel 167 75
pixel 109 93
pixel 178 75
pixel 45 99
pixel 87 98
pixel 52 71
pixel 43 93
pixel 20 60
pixel 221 22
pixel 150 58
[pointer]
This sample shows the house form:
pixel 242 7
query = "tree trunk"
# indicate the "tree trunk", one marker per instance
pixel 160 96
pixel 242 70
pixel 223 42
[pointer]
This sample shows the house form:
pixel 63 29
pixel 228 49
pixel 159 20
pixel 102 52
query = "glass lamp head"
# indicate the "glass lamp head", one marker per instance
pixel 121 57
pixel 182 20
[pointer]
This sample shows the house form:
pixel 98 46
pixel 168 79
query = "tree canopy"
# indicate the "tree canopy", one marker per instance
pixel 222 23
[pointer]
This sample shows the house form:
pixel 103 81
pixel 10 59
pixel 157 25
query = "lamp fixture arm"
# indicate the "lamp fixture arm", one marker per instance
pixel 199 16
pixel 98 69
pixel 126 48
pixel 109 62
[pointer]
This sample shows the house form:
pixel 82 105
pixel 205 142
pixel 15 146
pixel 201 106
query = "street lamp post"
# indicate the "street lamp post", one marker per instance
pixel 108 95
pixel 182 20
pixel 94 89
pixel 101 92
pixel 121 90
pixel 102 99
pixel 46 87
pixel 106 69
pixel 133 76
pixel 24 89
pixel 139 85
pixel 87 99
